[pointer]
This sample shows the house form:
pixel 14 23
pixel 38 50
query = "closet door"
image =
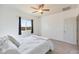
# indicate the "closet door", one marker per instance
pixel 70 30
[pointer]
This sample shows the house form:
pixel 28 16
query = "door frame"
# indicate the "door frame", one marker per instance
pixel 77 19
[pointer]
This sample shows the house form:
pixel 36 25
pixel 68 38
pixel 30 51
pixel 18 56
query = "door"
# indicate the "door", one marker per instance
pixel 78 30
pixel 70 30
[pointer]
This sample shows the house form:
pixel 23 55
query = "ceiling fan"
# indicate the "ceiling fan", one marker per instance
pixel 40 9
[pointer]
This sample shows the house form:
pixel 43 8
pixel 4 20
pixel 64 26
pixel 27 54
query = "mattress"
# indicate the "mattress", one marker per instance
pixel 36 45
pixel 33 45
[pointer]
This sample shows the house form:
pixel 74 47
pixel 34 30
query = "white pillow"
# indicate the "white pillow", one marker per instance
pixel 2 41
pixel 14 41
pixel 39 37
pixel 6 44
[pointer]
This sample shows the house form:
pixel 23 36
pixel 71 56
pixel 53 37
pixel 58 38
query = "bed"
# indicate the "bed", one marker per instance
pixel 30 45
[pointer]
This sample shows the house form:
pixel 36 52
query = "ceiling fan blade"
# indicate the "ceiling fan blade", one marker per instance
pixel 46 9
pixel 34 11
pixel 41 6
pixel 34 8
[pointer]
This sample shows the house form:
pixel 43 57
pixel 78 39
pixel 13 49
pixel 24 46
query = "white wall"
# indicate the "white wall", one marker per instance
pixel 9 20
pixel 52 26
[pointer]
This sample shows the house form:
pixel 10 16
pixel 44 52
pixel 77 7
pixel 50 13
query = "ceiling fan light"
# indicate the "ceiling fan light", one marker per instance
pixel 40 11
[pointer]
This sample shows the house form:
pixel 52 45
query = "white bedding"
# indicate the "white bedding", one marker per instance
pixel 33 45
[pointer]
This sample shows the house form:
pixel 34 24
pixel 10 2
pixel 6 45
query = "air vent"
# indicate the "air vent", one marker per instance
pixel 66 8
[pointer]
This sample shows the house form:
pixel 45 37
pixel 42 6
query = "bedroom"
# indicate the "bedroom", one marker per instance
pixel 59 24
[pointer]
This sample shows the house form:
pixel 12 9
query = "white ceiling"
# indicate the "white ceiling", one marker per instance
pixel 54 8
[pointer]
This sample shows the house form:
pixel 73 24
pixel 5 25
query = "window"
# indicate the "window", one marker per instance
pixel 25 25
